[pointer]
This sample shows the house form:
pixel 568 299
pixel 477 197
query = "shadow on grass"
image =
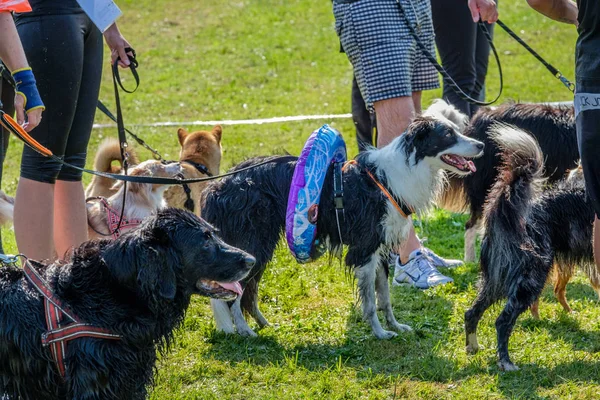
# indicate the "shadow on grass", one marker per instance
pixel 407 354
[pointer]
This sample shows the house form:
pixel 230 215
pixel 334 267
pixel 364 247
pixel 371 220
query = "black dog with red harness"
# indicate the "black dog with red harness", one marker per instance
pixel 90 327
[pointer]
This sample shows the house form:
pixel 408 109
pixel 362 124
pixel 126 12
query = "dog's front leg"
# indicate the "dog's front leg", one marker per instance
pixel 241 325
pixel 366 277
pixel 383 300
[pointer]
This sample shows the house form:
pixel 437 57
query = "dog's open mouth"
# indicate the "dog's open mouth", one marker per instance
pixel 219 290
pixel 459 162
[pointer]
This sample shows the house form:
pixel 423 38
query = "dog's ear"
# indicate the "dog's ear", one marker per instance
pixel 421 128
pixel 182 134
pixel 121 261
pixel 144 262
pixel 157 273
pixel 217 131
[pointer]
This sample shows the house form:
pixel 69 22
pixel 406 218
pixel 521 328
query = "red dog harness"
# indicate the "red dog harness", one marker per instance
pixel 113 218
pixel 60 330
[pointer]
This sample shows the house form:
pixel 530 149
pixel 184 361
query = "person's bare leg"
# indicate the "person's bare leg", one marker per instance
pixel 70 216
pixel 393 117
pixel 597 241
pixel 416 96
pixel 34 219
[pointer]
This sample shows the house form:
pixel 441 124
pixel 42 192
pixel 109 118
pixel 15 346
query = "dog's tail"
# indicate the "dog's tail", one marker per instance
pixel 109 151
pixel 509 202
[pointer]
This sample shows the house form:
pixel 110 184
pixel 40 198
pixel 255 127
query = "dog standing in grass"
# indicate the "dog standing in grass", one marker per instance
pixel 249 210
pixel 527 233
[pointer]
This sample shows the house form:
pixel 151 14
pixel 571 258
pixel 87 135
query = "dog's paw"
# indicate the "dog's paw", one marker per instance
pixel 385 335
pixel 507 366
pixel 246 332
pixel 472 348
pixel 400 327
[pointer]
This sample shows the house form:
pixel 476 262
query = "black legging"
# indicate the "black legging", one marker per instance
pixel 65 53
pixel 463 49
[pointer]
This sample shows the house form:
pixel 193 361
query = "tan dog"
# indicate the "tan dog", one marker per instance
pixel 142 199
pixel 201 148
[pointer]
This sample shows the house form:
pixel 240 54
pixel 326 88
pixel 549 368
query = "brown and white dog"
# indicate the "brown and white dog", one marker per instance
pixel 200 156
pixel 141 200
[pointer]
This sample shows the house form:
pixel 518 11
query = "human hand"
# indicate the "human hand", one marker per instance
pixel 34 116
pixel 27 99
pixel 117 44
pixel 484 9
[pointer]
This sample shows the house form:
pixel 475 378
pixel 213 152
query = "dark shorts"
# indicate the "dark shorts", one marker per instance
pixel 587 108
pixel 376 38
pixel 65 53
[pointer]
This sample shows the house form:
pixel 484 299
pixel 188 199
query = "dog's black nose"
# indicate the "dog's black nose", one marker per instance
pixel 480 146
pixel 250 261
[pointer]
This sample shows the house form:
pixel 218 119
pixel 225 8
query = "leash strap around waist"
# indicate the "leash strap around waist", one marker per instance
pixel 404 209
pixel 557 74
pixel 62 323
pixel 447 78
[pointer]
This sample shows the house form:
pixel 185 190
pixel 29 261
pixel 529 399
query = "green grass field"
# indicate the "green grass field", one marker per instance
pixel 211 60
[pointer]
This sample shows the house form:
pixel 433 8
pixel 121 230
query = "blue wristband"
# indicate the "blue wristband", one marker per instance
pixel 26 87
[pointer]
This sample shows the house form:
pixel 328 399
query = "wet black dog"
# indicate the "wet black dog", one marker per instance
pixel 138 287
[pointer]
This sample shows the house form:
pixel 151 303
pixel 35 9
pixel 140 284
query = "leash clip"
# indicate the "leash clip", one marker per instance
pixel 570 85
pixel 8 259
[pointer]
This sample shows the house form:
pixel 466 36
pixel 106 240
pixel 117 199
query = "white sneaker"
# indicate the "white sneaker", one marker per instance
pixel 418 272
pixel 440 262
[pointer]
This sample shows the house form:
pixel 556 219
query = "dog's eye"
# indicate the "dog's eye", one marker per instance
pixel 208 235
pixel 449 134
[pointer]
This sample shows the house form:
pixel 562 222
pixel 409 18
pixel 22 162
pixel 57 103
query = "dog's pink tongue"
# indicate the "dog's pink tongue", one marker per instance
pixel 233 286
pixel 471 166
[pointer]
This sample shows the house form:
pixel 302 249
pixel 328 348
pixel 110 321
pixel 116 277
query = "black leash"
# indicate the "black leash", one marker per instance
pixel 140 141
pixel 133 64
pixel 447 78
pixel 557 74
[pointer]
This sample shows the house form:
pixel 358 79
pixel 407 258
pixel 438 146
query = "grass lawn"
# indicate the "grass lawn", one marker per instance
pixel 211 60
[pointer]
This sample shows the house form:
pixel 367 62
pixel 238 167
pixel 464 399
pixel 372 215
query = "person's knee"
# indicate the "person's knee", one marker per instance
pixel 72 174
pixel 38 168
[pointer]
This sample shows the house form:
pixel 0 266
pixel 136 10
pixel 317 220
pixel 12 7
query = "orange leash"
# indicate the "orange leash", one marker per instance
pixel 382 188
pixel 12 126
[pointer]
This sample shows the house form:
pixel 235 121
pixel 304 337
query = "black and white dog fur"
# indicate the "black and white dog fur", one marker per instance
pixel 249 210
pixel 552 126
pixel 526 232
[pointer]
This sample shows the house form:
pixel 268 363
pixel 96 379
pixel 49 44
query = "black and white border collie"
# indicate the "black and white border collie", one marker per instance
pixel 249 210
pixel 552 126
pixel 527 232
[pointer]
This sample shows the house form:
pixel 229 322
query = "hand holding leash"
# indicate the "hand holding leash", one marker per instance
pixel 120 49
pixel 486 10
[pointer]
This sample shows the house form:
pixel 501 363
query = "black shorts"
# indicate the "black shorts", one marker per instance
pixel 65 53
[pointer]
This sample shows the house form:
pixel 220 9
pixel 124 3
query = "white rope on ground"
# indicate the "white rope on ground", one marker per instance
pixel 259 121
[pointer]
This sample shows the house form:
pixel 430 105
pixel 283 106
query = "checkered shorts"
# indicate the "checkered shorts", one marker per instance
pixel 376 38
